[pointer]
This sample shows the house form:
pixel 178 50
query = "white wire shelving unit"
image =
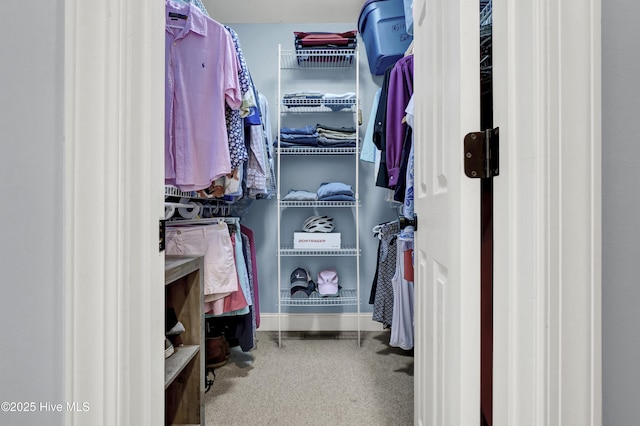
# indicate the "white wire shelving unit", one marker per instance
pixel 318 151
pixel 349 204
pixel 323 61
pixel 348 296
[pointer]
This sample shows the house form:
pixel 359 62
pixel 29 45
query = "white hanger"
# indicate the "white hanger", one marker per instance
pixel 377 231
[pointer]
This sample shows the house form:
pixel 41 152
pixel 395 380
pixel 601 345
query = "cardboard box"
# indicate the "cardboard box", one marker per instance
pixel 316 240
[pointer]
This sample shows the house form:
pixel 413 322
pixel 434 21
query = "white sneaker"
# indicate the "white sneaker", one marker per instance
pixel 168 348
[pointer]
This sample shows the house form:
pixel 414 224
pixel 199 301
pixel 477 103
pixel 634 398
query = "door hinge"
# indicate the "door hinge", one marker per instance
pixel 481 154
pixel 161 234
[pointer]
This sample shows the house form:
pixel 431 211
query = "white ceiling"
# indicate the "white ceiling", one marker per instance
pixel 284 11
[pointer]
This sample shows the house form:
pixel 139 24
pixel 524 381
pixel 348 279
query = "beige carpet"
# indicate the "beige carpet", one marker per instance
pixel 314 379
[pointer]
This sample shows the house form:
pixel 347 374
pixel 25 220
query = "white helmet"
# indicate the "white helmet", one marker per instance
pixel 318 224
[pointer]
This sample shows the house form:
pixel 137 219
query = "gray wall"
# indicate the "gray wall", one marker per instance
pixel 31 170
pixel 621 211
pixel 260 47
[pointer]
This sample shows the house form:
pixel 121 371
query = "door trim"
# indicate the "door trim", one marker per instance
pixel 547 282
pixel 113 60
pixel 114 283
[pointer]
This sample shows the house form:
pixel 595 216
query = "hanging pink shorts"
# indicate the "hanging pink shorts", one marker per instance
pixel 214 243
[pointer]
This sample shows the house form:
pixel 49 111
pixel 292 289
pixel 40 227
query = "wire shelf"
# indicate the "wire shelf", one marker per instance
pixel 317 105
pixel 344 251
pixel 302 150
pixel 172 191
pixel 345 297
pixel 318 58
pixel 285 204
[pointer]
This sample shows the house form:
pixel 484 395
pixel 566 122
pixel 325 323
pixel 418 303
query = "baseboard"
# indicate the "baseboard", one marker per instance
pixel 318 322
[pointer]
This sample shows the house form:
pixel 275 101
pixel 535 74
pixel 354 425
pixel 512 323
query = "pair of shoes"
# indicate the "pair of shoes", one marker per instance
pixel 217 351
pixel 168 348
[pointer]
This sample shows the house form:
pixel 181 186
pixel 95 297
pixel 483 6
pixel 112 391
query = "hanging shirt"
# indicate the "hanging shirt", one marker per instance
pixel 400 91
pixel 379 131
pixel 234 118
pixel 268 144
pixel 407 211
pixel 402 330
pixel 368 148
pixel 256 166
pixel 246 84
pixel 201 76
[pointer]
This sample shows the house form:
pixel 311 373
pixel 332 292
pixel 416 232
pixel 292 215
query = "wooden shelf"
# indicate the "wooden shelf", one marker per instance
pixel 176 267
pixel 177 362
pixel 184 369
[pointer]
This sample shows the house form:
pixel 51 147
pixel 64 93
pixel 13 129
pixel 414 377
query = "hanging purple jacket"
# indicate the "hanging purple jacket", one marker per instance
pixel 400 91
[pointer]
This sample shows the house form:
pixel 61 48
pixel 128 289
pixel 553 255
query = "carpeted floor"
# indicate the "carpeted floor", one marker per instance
pixel 314 379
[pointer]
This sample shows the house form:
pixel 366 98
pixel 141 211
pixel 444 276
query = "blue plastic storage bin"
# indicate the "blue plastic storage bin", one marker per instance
pixel 408 15
pixel 382 27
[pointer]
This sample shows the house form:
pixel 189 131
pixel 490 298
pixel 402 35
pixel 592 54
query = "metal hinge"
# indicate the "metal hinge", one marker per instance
pixel 481 154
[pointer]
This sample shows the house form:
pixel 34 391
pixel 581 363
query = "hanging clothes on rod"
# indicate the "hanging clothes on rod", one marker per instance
pixel 205 221
pixel 210 238
pixel 381 296
pixel 238 326
pixel 402 330
pixel 230 271
pixel 391 134
pixel 392 294
pixel 200 58
pixel 222 156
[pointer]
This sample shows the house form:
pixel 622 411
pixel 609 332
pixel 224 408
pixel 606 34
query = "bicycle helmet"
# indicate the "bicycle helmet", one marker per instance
pixel 318 224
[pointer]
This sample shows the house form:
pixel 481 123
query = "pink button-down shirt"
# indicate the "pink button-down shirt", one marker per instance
pixel 201 75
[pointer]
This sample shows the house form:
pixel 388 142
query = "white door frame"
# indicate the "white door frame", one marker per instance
pixel 547 334
pixel 114 281
pixel 547 212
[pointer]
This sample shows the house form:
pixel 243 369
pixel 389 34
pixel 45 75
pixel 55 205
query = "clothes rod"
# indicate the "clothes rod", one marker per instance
pixel 178 205
pixel 204 221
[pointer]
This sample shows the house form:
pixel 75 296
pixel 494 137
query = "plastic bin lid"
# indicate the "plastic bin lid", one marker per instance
pixel 366 9
pixel 368 2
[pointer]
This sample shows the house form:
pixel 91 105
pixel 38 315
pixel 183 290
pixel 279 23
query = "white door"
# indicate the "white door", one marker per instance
pixel 546 269
pixel 447 249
